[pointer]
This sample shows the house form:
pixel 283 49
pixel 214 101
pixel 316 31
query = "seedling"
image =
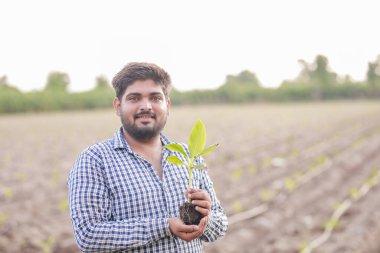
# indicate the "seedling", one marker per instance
pixel 237 206
pixel 47 245
pixel 236 174
pixel 266 195
pixel 197 141
pixel 290 184
pixel 21 176
pixel 298 175
pixel 302 247
pixel 267 163
pixel 355 193
pixel 373 179
pixel 8 192
pixel 64 205
pixel 319 161
pixel 55 178
pixel 4 217
pixel 252 170
pixel 294 153
pixel 331 224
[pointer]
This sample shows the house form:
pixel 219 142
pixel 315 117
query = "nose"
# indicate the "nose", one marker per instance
pixel 145 105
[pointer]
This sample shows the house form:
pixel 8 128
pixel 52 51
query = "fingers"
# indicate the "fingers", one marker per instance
pixel 200 199
pixel 202 203
pixel 189 236
pixel 199 194
pixel 183 228
pixel 202 225
pixel 186 232
pixel 201 229
pixel 205 220
pixel 203 211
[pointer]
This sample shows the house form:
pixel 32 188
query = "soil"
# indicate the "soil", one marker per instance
pixel 189 215
pixel 261 148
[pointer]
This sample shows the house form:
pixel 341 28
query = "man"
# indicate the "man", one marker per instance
pixel 124 196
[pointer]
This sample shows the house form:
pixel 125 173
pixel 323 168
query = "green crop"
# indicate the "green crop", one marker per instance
pixel 196 144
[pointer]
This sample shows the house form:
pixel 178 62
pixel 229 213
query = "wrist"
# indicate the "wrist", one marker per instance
pixel 170 232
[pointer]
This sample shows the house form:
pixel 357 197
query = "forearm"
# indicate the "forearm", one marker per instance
pixel 217 220
pixel 216 226
pixel 119 235
pixel 90 204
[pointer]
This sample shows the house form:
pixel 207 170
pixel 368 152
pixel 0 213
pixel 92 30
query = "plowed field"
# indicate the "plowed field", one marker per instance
pixel 291 177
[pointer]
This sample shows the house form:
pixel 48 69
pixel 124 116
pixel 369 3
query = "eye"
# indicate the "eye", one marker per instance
pixel 132 98
pixel 157 98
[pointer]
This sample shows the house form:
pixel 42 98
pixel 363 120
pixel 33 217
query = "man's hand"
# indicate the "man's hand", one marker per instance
pixel 200 199
pixel 187 232
pixel 202 202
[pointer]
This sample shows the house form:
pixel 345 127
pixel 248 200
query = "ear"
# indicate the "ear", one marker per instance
pixel 168 104
pixel 117 105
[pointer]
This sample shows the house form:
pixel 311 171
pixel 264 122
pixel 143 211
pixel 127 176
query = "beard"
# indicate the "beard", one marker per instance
pixel 144 133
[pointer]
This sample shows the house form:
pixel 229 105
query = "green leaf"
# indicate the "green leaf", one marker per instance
pixel 200 167
pixel 197 139
pixel 175 160
pixel 207 150
pixel 176 148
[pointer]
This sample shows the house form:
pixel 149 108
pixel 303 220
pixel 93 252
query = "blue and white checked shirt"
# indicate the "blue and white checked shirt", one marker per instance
pixel 118 203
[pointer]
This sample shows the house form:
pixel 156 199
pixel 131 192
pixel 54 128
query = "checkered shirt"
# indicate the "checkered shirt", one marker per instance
pixel 118 203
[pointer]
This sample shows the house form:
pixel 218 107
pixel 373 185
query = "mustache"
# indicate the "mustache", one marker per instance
pixel 141 114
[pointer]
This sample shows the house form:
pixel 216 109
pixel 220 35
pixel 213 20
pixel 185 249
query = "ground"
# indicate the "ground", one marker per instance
pixel 293 163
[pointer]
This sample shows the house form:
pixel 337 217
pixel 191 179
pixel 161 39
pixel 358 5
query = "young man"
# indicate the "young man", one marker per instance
pixel 124 196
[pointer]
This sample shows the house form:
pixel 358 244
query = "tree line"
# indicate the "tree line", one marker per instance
pixel 316 81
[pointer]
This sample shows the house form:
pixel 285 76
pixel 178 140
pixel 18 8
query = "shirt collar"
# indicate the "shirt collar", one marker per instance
pixel 119 142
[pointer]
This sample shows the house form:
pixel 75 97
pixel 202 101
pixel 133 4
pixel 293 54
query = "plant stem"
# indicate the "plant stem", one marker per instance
pixel 190 183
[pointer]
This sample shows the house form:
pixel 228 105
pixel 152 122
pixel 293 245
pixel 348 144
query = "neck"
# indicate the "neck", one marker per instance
pixel 141 145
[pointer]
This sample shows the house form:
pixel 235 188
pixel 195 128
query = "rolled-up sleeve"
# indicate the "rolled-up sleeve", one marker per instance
pixel 217 221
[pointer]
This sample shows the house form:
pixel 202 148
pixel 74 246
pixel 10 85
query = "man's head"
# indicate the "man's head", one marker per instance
pixel 141 71
pixel 142 100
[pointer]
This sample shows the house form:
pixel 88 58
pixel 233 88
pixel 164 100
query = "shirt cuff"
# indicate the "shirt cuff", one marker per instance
pixel 159 228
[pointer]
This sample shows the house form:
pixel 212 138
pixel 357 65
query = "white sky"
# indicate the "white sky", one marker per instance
pixel 198 42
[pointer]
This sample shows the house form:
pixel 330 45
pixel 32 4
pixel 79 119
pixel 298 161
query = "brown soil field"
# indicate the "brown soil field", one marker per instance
pixel 282 172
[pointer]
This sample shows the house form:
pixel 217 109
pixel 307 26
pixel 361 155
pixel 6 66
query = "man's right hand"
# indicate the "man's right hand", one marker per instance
pixel 187 232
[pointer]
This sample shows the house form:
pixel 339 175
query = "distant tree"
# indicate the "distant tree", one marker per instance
pixel 321 74
pixel 244 78
pixel 316 75
pixel 373 73
pixel 304 75
pixel 102 83
pixel 6 87
pixel 3 80
pixel 240 88
pixel 11 98
pixel 57 82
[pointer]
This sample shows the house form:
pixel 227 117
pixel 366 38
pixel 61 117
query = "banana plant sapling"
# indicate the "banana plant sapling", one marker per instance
pixel 196 145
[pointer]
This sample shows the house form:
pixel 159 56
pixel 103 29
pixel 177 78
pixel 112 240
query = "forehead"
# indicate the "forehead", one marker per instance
pixel 144 87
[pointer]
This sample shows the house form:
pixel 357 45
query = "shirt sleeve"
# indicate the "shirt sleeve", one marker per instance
pixel 90 210
pixel 217 221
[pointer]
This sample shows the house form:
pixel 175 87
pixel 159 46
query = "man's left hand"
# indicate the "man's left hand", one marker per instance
pixel 200 199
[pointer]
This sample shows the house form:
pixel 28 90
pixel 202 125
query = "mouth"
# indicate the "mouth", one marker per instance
pixel 145 116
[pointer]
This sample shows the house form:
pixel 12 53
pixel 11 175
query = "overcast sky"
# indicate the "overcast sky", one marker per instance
pixel 197 42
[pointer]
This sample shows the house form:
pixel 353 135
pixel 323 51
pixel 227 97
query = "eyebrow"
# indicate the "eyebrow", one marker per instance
pixel 139 94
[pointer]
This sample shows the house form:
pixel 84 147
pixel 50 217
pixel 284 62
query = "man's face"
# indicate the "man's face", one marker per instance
pixel 143 110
